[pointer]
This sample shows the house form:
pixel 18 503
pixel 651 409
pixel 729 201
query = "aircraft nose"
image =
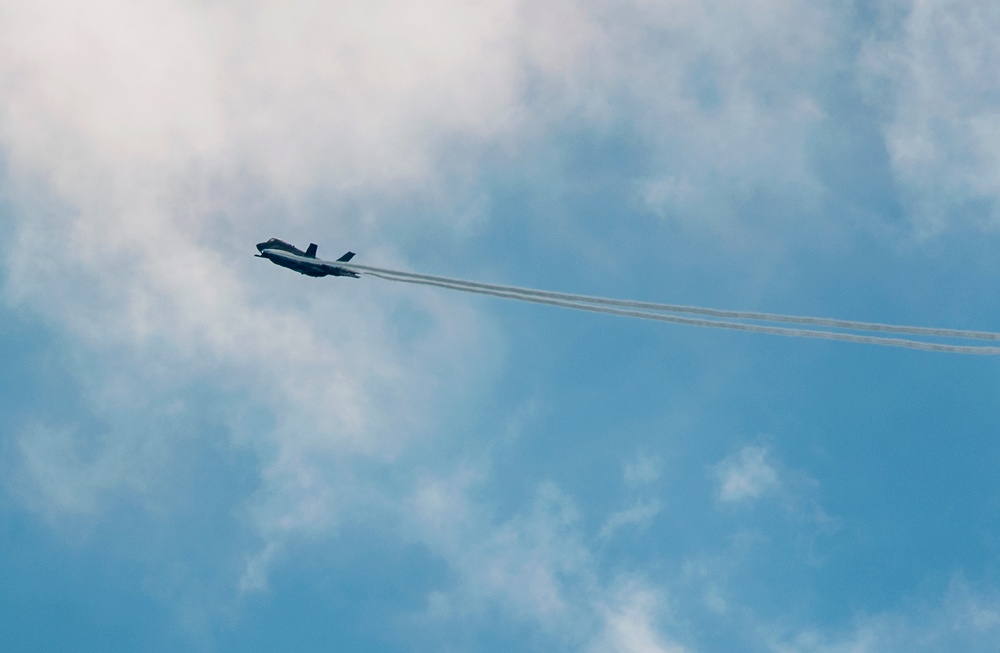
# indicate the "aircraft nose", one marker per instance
pixel 261 247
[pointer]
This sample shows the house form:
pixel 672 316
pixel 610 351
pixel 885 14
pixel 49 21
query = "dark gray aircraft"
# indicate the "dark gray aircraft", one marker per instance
pixel 289 256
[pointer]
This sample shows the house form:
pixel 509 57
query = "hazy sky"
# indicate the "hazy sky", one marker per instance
pixel 202 451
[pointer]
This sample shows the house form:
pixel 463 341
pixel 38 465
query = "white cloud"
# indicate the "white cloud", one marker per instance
pixel 57 471
pixel 727 93
pixel 535 568
pixel 641 471
pixel 630 624
pixel 531 565
pixel 935 78
pixel 964 618
pixel 707 580
pixel 746 475
pixel 640 514
pixel 297 94
pixel 754 473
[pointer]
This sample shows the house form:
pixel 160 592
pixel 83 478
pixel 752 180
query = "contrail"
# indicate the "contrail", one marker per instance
pixel 691 310
pixel 538 297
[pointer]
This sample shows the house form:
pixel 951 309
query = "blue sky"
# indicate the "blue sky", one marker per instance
pixel 203 452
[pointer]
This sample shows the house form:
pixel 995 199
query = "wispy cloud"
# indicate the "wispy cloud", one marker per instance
pixel 59 472
pixel 963 618
pixel 933 74
pixel 535 568
pixel 746 475
pixel 630 623
pixel 532 565
pixel 639 514
pixel 641 471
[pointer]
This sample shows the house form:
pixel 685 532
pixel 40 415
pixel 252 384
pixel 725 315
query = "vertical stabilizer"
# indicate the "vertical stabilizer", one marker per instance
pixel 311 251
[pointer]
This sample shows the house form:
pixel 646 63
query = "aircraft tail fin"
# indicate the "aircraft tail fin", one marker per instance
pixel 346 257
pixel 311 251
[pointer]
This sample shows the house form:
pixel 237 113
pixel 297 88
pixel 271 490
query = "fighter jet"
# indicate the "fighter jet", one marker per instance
pixel 289 256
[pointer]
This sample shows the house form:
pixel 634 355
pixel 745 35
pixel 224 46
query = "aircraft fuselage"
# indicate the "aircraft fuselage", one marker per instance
pixel 288 256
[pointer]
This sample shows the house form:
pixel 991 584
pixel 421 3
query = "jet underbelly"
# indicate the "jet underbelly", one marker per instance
pixel 308 269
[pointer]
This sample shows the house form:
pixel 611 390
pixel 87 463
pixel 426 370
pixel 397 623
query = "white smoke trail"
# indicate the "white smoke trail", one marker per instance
pixel 690 310
pixel 512 293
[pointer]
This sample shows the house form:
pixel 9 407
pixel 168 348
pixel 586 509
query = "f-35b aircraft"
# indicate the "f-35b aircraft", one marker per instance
pixel 289 256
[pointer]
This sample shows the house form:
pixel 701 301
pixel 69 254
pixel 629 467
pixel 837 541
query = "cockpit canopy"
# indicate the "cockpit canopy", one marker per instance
pixel 277 243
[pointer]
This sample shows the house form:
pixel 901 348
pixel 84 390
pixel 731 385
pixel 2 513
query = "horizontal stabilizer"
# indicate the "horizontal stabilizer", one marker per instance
pixel 311 251
pixel 346 257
